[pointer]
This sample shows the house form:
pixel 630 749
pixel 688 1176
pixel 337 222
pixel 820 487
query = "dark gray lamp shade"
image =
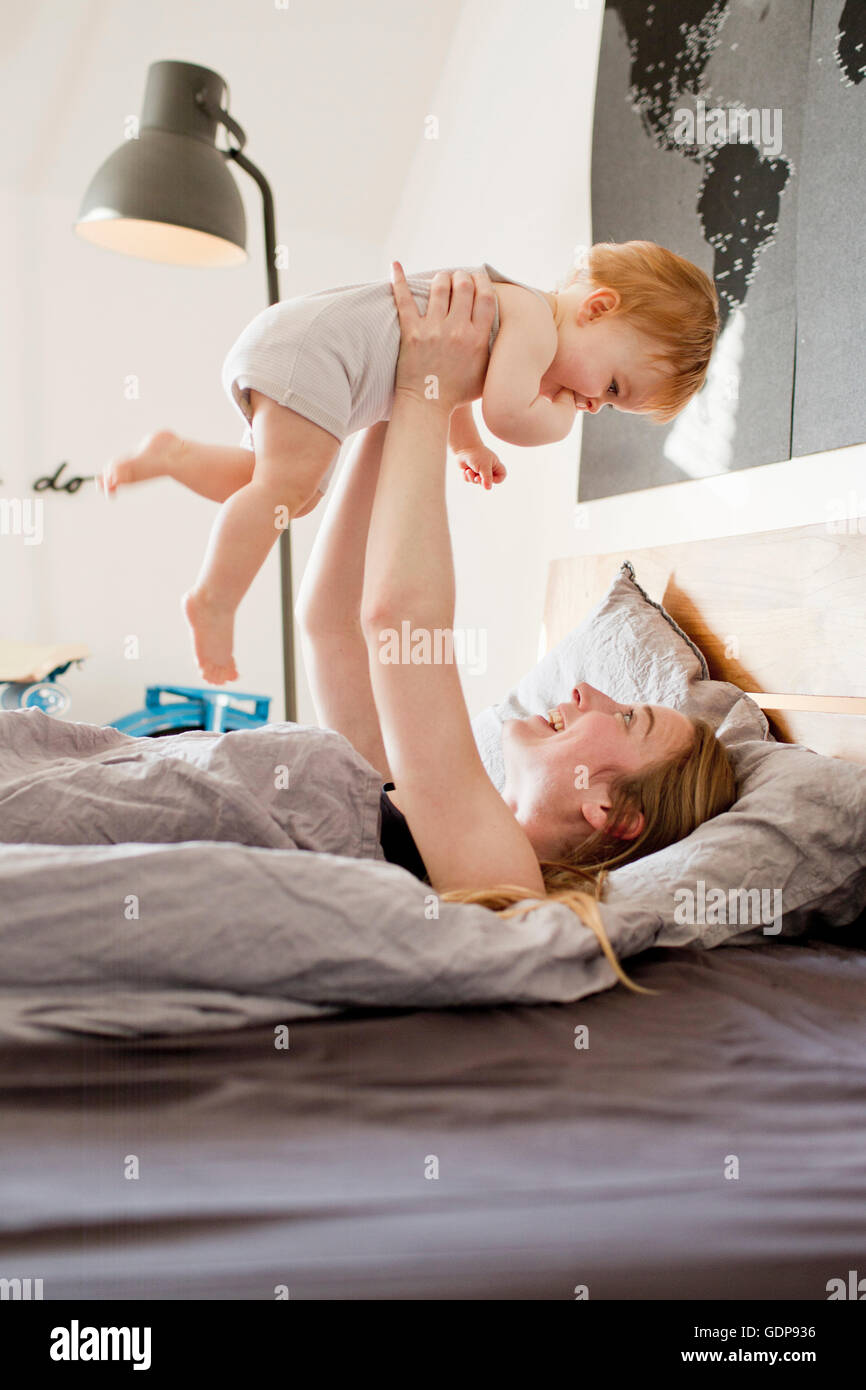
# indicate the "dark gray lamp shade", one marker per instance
pixel 168 195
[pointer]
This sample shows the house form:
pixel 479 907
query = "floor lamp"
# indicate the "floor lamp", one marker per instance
pixel 167 195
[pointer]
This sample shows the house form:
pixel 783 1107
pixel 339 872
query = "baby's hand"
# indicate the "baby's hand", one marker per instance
pixel 481 465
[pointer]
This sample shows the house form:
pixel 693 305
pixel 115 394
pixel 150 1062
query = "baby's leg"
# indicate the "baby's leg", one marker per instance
pixel 291 455
pixel 211 470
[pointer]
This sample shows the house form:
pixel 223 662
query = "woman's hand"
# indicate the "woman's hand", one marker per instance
pixel 444 353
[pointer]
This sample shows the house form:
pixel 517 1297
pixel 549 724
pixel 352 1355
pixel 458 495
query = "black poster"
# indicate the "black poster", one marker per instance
pixel 733 133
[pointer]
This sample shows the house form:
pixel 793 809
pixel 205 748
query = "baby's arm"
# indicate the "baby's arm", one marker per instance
pixel 462 430
pixel 511 405
pixel 479 464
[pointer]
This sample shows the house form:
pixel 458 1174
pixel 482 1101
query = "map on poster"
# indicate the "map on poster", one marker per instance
pixel 731 132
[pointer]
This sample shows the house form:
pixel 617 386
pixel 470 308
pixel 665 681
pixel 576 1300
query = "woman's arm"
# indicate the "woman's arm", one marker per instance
pixel 466 835
pixel 328 606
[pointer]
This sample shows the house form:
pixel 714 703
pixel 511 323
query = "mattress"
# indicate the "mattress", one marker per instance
pixel 705 1143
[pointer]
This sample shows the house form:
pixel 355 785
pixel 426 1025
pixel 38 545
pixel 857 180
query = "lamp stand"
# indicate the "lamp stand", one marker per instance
pixel 287 615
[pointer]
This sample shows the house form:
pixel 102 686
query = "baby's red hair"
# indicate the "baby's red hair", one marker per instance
pixel 670 302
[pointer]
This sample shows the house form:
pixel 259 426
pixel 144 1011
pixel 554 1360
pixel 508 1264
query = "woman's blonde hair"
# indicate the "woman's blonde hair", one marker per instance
pixel 675 796
pixel 666 299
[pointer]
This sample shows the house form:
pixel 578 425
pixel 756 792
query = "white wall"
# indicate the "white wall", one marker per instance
pixel 508 181
pixel 333 97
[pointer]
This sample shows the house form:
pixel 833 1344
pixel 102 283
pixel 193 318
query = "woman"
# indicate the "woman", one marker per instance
pixel 647 775
pixel 382 557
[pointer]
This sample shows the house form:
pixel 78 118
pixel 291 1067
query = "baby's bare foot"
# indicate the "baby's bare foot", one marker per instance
pixel 213 634
pixel 152 459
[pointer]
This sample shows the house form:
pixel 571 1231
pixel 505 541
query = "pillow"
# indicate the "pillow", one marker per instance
pixel 790 853
pixel 630 648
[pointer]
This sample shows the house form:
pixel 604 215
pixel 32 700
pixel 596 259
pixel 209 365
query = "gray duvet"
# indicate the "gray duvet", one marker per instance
pixel 157 929
pixel 204 881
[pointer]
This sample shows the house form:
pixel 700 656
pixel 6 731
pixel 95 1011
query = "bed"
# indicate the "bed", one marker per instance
pixel 703 1143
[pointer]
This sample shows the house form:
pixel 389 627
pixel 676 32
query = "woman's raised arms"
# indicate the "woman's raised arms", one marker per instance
pixel 328 606
pixel 466 834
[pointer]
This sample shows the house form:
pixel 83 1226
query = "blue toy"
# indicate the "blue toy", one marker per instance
pixel 28 675
pixel 218 711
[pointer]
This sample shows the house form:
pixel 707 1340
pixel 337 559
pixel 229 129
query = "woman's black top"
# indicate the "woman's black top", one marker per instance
pixel 395 837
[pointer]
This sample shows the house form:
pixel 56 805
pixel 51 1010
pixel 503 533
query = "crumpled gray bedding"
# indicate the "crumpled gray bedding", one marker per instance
pixel 145 936
pixel 285 786
pixel 168 930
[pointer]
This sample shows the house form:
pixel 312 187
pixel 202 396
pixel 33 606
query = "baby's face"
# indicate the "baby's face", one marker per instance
pixel 598 356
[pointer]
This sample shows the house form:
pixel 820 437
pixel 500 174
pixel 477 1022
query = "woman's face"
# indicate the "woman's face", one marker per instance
pixel 557 779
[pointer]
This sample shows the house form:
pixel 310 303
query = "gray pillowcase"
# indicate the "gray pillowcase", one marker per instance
pixel 791 851
pixel 630 648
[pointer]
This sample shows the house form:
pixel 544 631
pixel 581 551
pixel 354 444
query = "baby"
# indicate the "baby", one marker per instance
pixel 633 327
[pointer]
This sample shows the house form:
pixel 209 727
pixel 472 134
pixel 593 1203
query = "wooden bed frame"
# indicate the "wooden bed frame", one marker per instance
pixel 781 614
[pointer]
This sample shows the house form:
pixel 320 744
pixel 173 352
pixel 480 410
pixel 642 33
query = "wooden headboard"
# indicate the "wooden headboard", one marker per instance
pixel 781 614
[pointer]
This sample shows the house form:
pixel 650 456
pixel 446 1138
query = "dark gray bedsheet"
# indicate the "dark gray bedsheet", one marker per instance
pixel 557 1167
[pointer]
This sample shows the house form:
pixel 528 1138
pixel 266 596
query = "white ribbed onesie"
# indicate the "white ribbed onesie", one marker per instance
pixel 331 356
